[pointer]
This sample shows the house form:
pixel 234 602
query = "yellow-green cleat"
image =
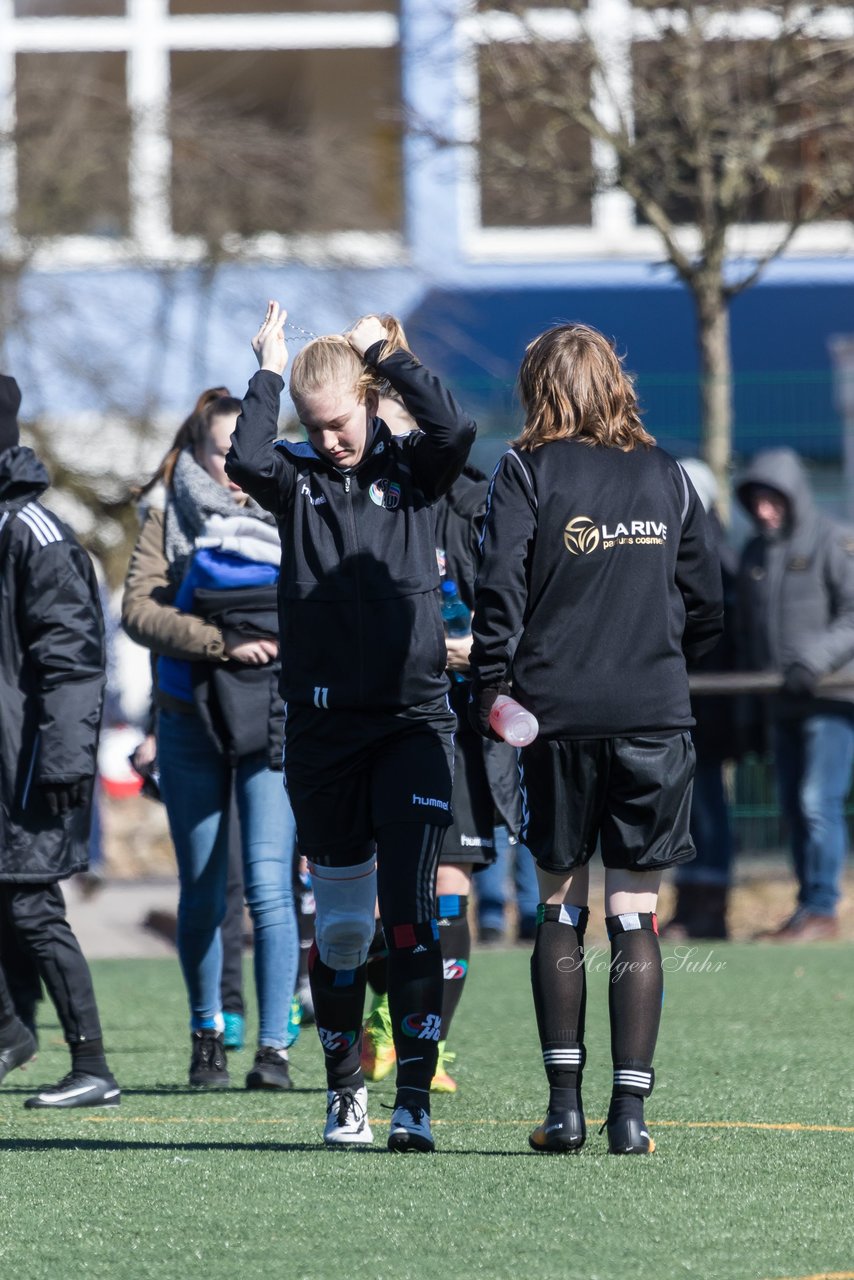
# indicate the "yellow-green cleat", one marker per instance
pixel 443 1082
pixel 378 1052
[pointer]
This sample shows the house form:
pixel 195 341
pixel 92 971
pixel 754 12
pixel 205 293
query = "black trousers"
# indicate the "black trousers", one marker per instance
pixel 33 916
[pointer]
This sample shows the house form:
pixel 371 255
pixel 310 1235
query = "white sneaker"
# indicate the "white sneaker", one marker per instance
pixel 347 1117
pixel 410 1130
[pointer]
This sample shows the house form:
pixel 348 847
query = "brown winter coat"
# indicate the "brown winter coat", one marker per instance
pixel 148 614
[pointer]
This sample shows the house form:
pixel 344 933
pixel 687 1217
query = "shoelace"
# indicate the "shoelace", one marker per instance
pixel 347 1102
pixel 417 1114
pixel 211 1054
pixel 268 1054
pixel 66 1082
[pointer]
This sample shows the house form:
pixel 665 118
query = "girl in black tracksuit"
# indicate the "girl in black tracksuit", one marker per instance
pixel 368 745
pixel 599 576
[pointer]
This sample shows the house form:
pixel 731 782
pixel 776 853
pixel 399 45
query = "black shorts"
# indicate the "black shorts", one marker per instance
pixel 633 794
pixel 350 772
pixel 471 836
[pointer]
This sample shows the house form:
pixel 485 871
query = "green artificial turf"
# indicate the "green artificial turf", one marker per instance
pixel 177 1183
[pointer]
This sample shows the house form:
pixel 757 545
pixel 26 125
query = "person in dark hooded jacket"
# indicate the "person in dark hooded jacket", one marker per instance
pixel 51 693
pixel 796 613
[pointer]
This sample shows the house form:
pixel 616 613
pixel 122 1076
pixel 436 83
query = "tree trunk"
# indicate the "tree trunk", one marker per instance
pixel 715 385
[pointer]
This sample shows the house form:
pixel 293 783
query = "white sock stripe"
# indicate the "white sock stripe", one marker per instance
pixel 562 1053
pixel 632 1077
pixel 630 920
pixel 44 518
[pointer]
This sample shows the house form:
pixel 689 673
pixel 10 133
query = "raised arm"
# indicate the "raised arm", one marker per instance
pixel 253 462
pixel 437 453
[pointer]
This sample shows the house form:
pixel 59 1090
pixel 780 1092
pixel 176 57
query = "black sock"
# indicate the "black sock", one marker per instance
pixel 339 1004
pixel 378 962
pixel 635 990
pixel 88 1056
pixel 415 1003
pixel 455 941
pixel 559 983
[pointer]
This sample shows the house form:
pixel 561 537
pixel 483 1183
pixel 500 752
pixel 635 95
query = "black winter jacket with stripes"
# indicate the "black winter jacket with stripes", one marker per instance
pixel 359 617
pixel 603 565
pixel 51 677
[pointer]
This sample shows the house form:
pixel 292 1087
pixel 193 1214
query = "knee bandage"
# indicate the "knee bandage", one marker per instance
pixel 345 898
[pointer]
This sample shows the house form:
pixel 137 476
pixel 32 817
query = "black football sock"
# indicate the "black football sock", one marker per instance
pixel 415 1004
pixel 455 941
pixel 559 983
pixel 378 962
pixel 339 1004
pixel 635 990
pixel 88 1056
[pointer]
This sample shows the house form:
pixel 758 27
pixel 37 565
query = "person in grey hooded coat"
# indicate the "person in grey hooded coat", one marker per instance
pixel 796 613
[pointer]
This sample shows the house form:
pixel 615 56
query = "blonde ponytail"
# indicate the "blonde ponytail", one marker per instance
pixel 331 360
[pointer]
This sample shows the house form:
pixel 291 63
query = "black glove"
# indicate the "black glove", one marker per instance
pixel 60 797
pixel 799 680
pixel 480 705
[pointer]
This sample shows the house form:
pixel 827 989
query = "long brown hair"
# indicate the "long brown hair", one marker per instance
pixel 573 386
pixel 326 361
pixel 216 402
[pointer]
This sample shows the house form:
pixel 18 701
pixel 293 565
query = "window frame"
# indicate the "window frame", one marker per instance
pixel 147 35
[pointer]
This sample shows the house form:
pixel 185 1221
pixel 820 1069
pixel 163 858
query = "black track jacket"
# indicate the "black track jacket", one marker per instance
pixel 359 617
pixel 51 677
pixel 602 563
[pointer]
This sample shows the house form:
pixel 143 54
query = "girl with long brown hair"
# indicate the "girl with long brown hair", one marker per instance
pixel 598 577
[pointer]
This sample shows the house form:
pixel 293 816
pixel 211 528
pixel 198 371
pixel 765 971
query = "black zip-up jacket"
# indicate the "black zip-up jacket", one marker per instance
pixel 51 677
pixel 459 523
pixel 603 565
pixel 359 617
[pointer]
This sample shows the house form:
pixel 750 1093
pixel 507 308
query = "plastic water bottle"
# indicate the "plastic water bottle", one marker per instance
pixel 455 614
pixel 512 722
pixel 456 617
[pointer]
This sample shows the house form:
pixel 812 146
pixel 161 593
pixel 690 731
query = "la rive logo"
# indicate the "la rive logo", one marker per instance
pixel 582 535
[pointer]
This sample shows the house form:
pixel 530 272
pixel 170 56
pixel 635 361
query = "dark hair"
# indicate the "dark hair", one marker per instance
pixel 573 387
pixel 216 402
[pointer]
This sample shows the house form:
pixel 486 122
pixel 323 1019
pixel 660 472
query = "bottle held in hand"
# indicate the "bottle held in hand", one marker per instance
pixel 456 617
pixel 512 722
pixel 455 614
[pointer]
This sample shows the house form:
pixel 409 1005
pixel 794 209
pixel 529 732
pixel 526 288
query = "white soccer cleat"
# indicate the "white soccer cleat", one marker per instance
pixel 410 1130
pixel 347 1118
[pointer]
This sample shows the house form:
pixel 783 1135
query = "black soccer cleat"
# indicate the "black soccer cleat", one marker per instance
pixel 17 1046
pixel 77 1089
pixel 628 1136
pixel 208 1065
pixel 270 1069
pixel 561 1131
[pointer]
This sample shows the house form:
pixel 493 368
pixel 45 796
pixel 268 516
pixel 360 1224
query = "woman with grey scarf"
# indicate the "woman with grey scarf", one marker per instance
pixel 210 541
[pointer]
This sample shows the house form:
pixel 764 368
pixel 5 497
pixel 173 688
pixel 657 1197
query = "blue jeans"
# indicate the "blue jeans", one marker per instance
pixel 196 783
pixel 490 884
pixel 710 828
pixel 814 758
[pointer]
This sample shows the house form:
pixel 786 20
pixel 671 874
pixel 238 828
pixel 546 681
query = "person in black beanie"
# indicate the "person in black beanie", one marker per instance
pixel 51 693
